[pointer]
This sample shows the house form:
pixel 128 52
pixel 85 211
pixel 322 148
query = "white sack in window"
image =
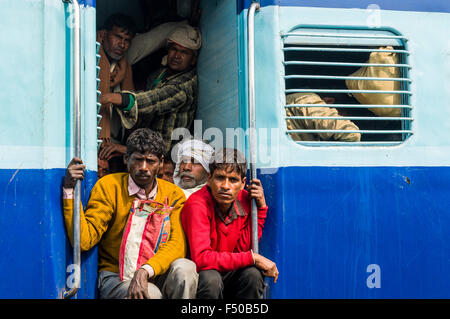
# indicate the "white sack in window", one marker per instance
pixel 384 72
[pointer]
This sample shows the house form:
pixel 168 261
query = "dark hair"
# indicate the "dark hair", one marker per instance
pixel 122 21
pixel 168 158
pixel 145 140
pixel 230 160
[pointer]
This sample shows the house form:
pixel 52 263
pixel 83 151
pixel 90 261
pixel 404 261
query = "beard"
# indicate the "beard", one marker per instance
pixel 113 56
pixel 192 181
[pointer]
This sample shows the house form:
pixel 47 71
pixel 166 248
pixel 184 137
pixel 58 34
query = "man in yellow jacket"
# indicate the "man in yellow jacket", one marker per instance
pixel 167 274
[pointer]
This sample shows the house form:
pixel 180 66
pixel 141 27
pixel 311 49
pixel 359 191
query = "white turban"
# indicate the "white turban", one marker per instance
pixel 196 149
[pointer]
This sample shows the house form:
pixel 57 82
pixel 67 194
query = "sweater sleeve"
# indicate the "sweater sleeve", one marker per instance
pixel 94 221
pixel 197 226
pixel 176 245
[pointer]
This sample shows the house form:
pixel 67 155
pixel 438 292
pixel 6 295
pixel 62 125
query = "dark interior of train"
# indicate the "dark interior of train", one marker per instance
pixel 148 14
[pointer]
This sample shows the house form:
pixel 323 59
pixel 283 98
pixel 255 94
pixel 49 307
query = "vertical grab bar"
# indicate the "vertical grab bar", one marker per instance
pixel 251 111
pixel 77 147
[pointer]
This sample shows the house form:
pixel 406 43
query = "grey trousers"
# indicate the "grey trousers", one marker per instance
pixel 179 282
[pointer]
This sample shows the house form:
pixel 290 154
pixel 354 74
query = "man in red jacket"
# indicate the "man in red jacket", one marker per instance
pixel 217 223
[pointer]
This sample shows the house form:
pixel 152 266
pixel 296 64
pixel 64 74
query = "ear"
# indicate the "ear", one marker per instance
pixel 161 163
pixel 208 178
pixel 194 59
pixel 125 159
pixel 243 183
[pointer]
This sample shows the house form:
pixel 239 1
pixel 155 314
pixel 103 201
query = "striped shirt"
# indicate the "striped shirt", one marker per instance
pixel 167 104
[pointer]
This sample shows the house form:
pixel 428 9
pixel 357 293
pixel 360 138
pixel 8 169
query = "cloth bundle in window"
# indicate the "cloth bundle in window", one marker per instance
pixel 384 72
pixel 147 229
pixel 317 124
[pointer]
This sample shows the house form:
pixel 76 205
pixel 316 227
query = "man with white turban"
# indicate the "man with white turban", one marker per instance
pixel 170 100
pixel 192 165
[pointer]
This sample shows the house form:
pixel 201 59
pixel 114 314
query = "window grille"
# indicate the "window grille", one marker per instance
pixel 320 60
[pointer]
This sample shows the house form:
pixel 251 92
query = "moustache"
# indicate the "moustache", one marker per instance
pixel 143 175
pixel 187 174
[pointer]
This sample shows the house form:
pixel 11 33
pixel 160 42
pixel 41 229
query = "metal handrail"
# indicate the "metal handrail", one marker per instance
pixel 77 145
pixel 251 110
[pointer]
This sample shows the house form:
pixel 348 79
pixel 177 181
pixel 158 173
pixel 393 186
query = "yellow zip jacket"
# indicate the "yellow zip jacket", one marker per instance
pixel 106 215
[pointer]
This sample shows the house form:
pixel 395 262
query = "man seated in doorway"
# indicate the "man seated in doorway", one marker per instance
pixel 192 168
pixel 115 75
pixel 217 224
pixel 318 124
pixel 170 100
pixel 167 274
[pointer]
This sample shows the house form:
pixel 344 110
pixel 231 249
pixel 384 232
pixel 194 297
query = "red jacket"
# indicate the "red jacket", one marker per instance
pixel 213 244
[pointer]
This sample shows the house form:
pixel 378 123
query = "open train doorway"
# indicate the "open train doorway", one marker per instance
pixel 217 64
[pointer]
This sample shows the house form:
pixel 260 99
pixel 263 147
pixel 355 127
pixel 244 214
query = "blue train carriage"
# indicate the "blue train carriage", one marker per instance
pixel 364 219
pixel 37 128
pixel 347 220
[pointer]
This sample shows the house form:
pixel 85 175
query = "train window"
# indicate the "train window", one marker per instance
pixel 347 86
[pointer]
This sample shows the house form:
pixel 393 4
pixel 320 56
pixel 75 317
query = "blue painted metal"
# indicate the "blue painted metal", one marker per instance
pixel 273 21
pixel 334 211
pixel 90 3
pixel 325 225
pixel 34 242
pixel 405 5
